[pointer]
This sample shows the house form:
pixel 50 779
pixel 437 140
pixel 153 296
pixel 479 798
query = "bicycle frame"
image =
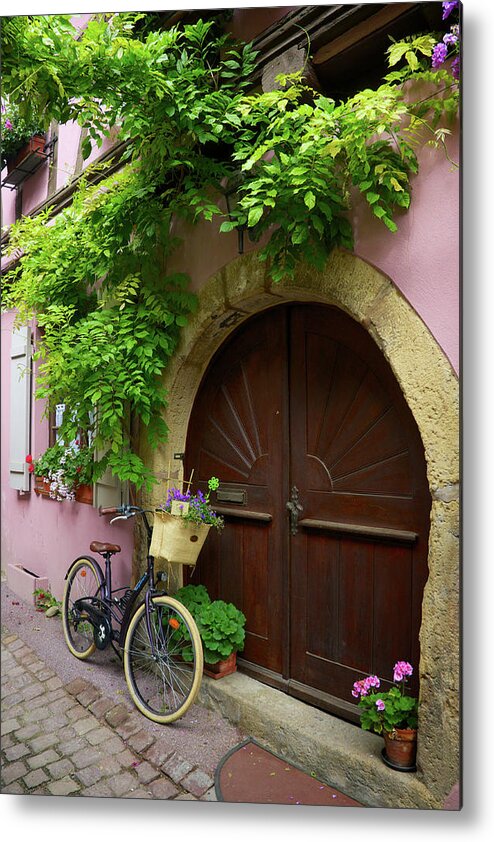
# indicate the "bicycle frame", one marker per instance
pixel 106 602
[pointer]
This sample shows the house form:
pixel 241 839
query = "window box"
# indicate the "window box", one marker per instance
pixel 42 486
pixel 84 494
pixel 33 147
pixel 27 160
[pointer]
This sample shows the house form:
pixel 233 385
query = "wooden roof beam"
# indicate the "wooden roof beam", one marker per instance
pixel 362 30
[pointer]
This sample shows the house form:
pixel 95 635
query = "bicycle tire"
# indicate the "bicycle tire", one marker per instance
pixel 79 638
pixel 163 687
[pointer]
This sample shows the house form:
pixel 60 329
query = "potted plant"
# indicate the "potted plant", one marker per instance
pixel 221 627
pixel 182 523
pixel 17 134
pixel 392 714
pixel 64 473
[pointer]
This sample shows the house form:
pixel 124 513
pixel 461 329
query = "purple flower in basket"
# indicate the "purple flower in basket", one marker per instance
pixel 198 510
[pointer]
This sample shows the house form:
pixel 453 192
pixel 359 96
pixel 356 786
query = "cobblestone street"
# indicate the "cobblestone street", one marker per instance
pixel 69 739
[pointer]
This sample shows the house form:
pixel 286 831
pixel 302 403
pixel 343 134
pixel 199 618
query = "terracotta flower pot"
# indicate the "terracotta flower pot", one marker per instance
pixel 84 494
pixel 35 146
pixel 222 668
pixel 400 749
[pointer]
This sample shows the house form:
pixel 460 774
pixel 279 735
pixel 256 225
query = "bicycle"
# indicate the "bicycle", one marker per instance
pixel 162 649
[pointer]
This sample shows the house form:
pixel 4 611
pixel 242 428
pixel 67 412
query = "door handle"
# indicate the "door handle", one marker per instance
pixel 295 509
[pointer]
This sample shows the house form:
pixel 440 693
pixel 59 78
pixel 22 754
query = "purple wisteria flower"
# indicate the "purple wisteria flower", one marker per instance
pixel 439 54
pixel 450 39
pixel 455 68
pixel 8 124
pixel 448 8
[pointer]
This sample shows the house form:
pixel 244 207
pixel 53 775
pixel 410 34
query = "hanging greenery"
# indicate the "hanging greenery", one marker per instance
pixel 109 310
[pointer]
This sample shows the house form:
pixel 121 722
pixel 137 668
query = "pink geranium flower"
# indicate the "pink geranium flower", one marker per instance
pixel 401 670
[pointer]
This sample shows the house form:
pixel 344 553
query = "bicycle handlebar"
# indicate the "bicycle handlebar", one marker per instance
pixel 107 510
pixel 125 512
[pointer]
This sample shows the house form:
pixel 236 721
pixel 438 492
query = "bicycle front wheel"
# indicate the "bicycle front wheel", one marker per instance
pixel 84 580
pixel 164 671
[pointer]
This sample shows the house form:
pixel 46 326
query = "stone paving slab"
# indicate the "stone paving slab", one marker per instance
pixel 73 741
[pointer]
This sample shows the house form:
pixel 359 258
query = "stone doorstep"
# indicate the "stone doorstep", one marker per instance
pixel 337 752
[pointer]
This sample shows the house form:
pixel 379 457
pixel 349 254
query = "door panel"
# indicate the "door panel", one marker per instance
pixel 237 433
pixel 301 396
pixel 357 461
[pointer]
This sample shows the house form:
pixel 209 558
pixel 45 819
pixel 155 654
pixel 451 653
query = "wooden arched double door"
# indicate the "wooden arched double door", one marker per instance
pixel 300 407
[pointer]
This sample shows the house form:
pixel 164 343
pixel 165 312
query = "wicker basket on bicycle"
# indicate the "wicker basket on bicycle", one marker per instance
pixel 177 540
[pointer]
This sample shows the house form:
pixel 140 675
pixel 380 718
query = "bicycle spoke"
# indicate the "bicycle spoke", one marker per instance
pixel 160 676
pixel 82 584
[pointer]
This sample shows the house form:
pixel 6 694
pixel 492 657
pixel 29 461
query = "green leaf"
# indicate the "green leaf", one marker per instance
pixel 372 198
pixel 310 199
pixel 255 215
pixel 86 147
pixel 390 224
pixel 379 211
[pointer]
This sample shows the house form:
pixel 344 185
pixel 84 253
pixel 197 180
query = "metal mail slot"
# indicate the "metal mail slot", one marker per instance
pixel 232 497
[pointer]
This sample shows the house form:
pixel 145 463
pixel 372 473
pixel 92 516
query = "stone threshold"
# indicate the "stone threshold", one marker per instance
pixel 336 752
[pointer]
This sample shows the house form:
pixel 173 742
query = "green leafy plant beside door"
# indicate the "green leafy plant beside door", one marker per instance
pixel 221 625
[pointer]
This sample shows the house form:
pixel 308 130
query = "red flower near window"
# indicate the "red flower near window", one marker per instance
pixel 31 469
pixel 29 458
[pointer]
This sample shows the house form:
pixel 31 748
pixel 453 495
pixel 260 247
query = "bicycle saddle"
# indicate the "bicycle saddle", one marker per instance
pixel 98 547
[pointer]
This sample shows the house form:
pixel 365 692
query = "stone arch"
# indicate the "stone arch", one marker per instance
pixel 241 289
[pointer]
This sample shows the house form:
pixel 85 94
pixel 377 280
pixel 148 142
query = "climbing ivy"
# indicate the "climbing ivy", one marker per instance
pixel 96 275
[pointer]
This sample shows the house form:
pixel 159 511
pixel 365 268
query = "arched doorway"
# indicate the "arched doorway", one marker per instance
pixel 299 406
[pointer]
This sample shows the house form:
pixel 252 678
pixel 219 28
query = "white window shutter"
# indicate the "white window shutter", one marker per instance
pixel 20 408
pixel 109 491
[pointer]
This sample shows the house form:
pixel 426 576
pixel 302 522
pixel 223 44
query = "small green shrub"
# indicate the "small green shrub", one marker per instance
pixel 221 625
pixel 193 597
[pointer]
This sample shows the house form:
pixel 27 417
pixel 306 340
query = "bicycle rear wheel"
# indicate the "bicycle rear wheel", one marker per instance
pixel 164 672
pixel 84 579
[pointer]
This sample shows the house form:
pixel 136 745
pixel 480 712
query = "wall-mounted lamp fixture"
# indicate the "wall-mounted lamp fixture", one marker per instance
pixel 233 198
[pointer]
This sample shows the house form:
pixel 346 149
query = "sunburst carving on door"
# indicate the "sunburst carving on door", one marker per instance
pixel 358 436
pixel 232 433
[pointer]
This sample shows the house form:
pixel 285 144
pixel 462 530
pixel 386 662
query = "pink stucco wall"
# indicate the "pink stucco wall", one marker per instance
pixel 41 534
pixel 421 258
pixel 68 143
pixel 7 203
